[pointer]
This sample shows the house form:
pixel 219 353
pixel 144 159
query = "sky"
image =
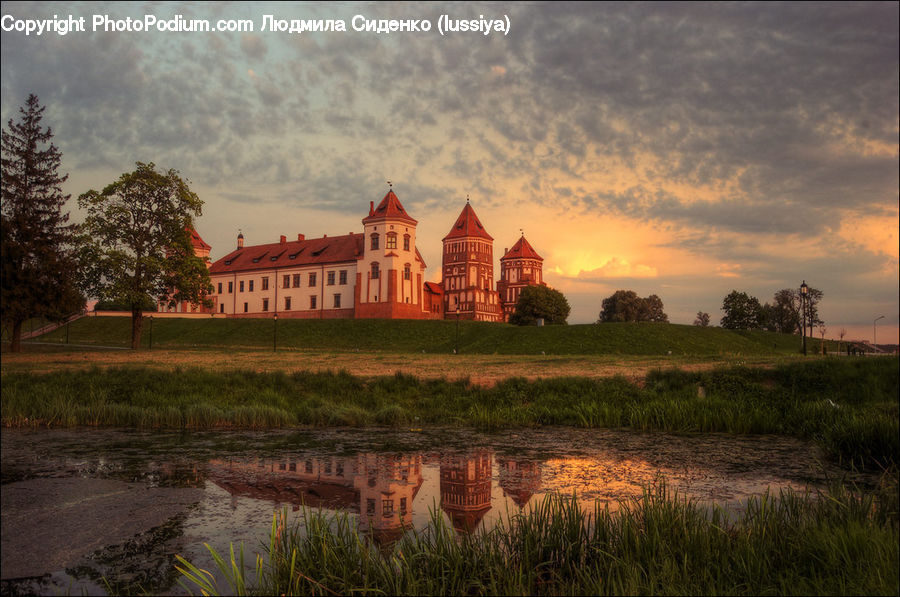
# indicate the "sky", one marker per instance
pixel 682 150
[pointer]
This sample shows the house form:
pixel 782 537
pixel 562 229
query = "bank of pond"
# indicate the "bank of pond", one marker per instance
pixel 849 407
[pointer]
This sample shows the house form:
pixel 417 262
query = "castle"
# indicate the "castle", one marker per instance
pixel 378 273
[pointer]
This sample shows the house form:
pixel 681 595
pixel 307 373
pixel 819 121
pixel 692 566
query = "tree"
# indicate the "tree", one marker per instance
pixel 626 305
pixel 742 311
pixel 138 242
pixel 540 302
pixel 702 319
pixel 38 266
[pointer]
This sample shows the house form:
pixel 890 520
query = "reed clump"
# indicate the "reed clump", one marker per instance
pixel 838 541
pixel 848 406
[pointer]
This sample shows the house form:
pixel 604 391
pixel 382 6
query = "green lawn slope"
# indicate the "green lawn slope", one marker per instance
pixel 435 337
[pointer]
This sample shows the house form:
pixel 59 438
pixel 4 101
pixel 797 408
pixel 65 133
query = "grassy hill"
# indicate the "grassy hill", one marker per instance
pixel 434 337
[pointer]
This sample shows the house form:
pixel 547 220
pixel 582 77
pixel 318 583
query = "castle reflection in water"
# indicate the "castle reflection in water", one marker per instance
pixel 381 488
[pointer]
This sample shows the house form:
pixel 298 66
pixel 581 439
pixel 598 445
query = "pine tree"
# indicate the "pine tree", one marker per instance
pixel 38 271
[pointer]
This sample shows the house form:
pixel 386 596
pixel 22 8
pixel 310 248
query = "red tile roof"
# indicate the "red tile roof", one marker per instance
pixel 196 241
pixel 313 251
pixel 389 207
pixel 434 287
pixel 468 224
pixel 522 250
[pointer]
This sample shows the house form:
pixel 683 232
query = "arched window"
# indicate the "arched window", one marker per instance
pixel 391 242
pixel 406 242
pixel 375 241
pixel 375 270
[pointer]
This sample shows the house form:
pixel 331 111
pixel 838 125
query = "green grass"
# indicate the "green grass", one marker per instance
pixel 835 543
pixel 438 337
pixel 848 406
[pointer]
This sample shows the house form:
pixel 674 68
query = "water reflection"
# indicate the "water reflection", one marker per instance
pixel 387 481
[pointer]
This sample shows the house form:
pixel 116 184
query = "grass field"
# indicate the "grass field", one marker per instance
pixel 435 337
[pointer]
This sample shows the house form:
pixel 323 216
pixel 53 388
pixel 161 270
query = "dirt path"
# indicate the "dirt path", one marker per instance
pixel 480 369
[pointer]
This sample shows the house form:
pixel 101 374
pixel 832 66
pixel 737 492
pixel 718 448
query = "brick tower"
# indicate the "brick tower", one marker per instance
pixel 468 270
pixel 520 266
pixel 390 273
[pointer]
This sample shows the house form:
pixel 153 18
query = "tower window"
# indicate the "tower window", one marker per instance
pixel 374 245
pixel 375 271
pixel 406 242
pixel 407 272
pixel 391 241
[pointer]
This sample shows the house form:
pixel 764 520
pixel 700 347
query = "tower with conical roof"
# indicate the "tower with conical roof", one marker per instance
pixel 468 270
pixel 520 266
pixel 390 273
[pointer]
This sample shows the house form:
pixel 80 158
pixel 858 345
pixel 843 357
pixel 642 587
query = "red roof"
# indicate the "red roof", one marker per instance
pixel 434 287
pixel 389 207
pixel 468 224
pixel 313 251
pixel 522 250
pixel 196 241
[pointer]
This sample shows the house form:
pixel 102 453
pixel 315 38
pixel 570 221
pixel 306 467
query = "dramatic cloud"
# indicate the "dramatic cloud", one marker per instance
pixel 740 143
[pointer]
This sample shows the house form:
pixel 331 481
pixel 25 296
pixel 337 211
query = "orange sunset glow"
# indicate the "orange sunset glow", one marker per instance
pixel 678 150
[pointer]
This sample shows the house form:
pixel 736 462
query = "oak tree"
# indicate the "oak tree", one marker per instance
pixel 38 263
pixel 138 242
pixel 626 305
pixel 742 311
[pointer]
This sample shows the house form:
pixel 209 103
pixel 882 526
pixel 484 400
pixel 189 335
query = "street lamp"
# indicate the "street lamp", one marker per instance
pixel 457 328
pixel 151 333
pixel 804 291
pixel 874 337
pixel 275 333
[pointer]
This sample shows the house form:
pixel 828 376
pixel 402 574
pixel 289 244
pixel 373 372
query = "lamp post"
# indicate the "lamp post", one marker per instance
pixel 874 330
pixel 275 333
pixel 151 334
pixel 457 329
pixel 804 291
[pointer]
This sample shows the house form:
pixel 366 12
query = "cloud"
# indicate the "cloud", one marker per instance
pixel 618 268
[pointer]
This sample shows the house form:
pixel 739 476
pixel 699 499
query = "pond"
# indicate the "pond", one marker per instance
pixel 82 505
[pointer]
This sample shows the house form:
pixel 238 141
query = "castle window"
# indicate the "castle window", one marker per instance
pixel 241 286
pixel 374 245
pixel 312 280
pixel 375 271
pixel 312 302
pixel 387 508
pixel 337 301
pixel 286 282
pixel 342 277
pixel 287 303
pixel 265 283
pixel 391 242
pixel 245 307
pixel 331 278
pixel 296 280
pixel 407 273
pixel 406 242
pixel 230 287
pixel 220 288
pixel 265 304
pixel 250 287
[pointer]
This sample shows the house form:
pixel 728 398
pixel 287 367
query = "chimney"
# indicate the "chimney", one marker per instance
pixel 301 237
pixel 371 208
pixel 283 239
pixel 240 240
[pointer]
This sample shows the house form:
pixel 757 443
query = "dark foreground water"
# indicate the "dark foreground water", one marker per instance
pixel 86 504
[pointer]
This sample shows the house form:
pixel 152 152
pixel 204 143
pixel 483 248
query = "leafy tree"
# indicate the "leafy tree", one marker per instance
pixel 702 319
pixel 742 311
pixel 626 305
pixel 38 271
pixel 147 304
pixel 540 302
pixel 138 242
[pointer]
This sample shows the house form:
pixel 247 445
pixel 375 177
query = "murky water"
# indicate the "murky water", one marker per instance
pixel 72 499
